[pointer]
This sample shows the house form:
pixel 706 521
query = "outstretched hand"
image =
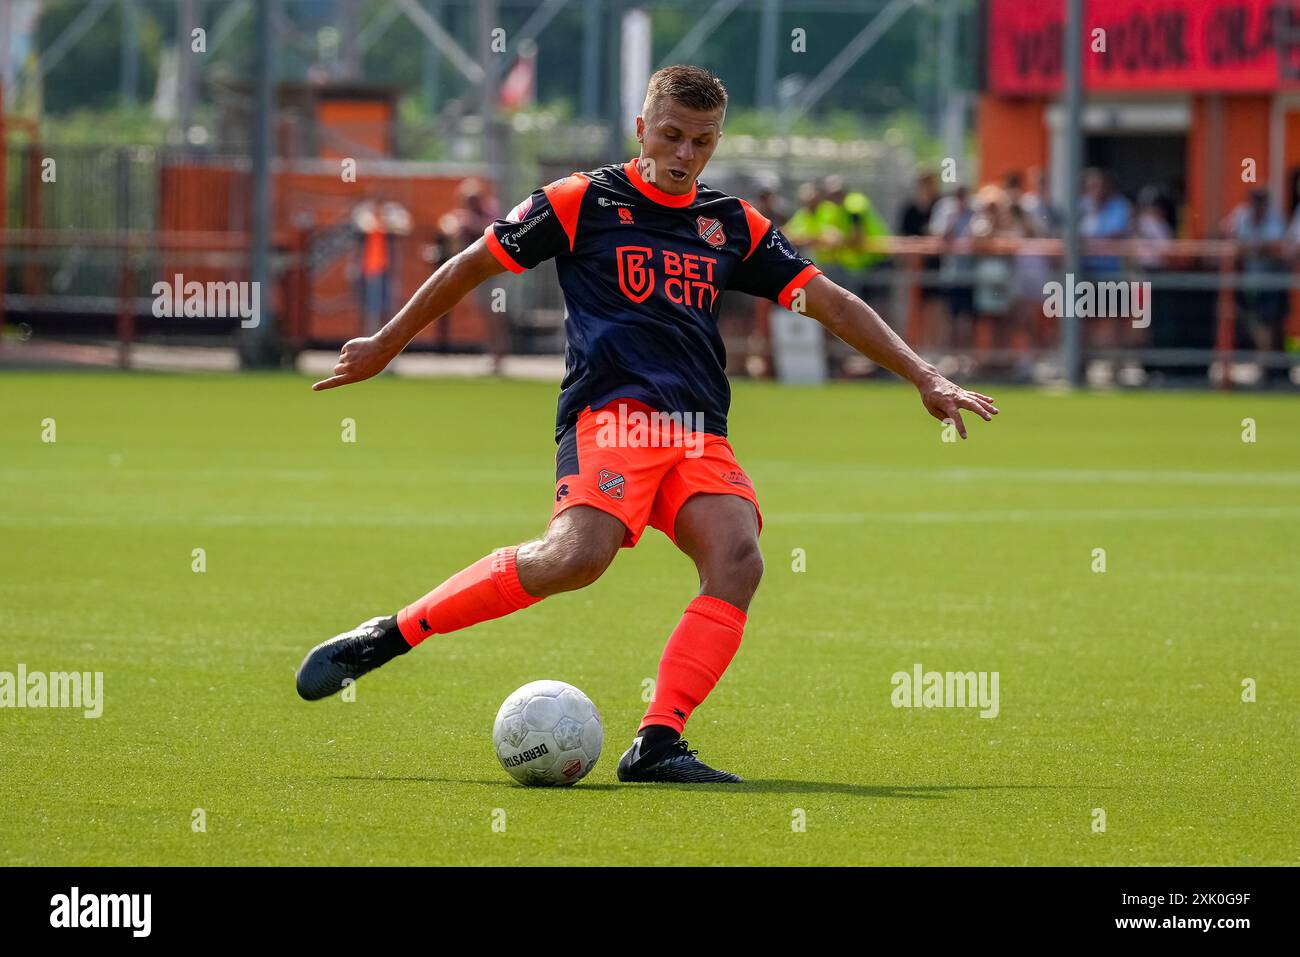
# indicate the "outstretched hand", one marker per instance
pixel 944 400
pixel 359 360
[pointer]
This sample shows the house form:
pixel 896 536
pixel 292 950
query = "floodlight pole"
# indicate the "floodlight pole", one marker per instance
pixel 613 110
pixel 769 25
pixel 259 346
pixel 129 77
pixel 591 35
pixel 493 154
pixel 1072 138
pixel 187 20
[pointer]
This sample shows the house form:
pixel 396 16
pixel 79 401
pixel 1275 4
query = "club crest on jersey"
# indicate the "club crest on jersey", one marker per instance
pixel 710 231
pixel 611 483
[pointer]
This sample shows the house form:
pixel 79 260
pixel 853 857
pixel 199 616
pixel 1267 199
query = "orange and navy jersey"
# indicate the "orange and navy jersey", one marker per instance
pixel 642 272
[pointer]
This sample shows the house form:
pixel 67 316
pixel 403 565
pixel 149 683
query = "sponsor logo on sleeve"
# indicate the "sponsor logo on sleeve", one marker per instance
pixel 512 238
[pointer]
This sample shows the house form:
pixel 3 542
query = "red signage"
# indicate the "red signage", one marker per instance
pixel 1173 45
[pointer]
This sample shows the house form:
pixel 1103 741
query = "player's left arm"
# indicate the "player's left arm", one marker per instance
pixel 852 320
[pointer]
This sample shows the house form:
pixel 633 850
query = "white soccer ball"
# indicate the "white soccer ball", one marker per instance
pixel 548 734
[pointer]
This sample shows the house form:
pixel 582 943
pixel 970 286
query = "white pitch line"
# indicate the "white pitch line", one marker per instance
pixel 537 518
pixel 1043 476
pixel 1217 513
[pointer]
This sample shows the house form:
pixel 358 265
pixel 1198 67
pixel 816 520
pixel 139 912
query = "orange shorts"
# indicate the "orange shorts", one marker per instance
pixel 642 475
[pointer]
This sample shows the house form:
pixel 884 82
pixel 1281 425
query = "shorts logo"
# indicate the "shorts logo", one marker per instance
pixel 562 491
pixel 611 483
pixel 736 477
pixel 710 231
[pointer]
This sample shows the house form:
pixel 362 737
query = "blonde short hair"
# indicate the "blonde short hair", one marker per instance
pixel 691 86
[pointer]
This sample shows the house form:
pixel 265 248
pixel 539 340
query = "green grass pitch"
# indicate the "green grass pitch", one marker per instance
pixel 1119 690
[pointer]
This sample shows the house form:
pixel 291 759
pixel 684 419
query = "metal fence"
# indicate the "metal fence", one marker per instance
pixel 84 237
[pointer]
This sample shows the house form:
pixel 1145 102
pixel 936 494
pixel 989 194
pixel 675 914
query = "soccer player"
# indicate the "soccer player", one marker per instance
pixel 644 251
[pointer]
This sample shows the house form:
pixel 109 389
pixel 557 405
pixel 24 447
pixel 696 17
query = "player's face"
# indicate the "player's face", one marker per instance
pixel 679 141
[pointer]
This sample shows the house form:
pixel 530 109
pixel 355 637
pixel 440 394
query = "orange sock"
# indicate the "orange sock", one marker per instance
pixel 488 589
pixel 698 652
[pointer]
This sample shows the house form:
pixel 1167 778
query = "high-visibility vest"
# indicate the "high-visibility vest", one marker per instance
pixel 802 229
pixel 840 217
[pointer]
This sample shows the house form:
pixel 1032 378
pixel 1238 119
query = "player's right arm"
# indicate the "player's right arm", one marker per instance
pixel 540 227
pixel 367 356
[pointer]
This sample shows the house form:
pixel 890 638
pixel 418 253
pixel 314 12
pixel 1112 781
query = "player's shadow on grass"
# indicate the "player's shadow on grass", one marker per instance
pixel 923 792
pixel 495 782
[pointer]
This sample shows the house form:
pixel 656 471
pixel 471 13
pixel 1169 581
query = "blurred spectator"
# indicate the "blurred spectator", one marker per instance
pixel 847 221
pixel 1256 224
pixel 1031 218
pixel 915 221
pixel 1153 228
pixel 803 228
pixel 951 220
pixel 1152 231
pixel 1293 227
pixel 992 217
pixel 769 202
pixel 837 225
pixel 377 228
pixel 462 227
pixel 1013 186
pixel 1043 219
pixel 466 223
pixel 1104 214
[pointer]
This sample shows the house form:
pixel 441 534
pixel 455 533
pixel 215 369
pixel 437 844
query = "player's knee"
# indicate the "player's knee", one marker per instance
pixel 572 562
pixel 749 564
pixel 580 543
pixel 738 567
pixel 579 568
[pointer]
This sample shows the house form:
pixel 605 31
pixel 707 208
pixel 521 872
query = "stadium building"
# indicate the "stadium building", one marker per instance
pixel 1201 100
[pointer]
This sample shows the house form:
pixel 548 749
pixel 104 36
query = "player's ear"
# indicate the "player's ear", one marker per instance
pixel 640 128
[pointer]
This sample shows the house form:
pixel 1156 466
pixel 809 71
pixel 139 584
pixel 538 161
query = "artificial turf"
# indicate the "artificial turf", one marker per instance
pixel 1119 690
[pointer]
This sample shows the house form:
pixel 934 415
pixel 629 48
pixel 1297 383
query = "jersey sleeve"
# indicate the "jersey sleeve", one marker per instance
pixel 542 226
pixel 773 268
